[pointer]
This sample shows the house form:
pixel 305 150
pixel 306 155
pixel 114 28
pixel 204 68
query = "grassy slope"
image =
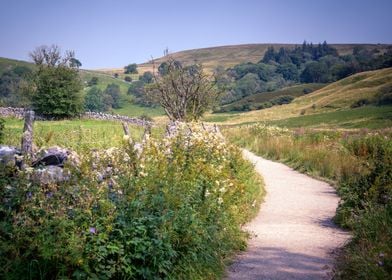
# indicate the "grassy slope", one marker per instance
pixel 7 64
pixel 128 108
pixel 228 56
pixel 261 97
pixel 336 97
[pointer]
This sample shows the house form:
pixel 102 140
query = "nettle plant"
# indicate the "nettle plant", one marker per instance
pixel 172 210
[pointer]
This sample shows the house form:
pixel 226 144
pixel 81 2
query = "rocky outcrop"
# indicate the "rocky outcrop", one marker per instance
pixel 9 156
pixel 55 156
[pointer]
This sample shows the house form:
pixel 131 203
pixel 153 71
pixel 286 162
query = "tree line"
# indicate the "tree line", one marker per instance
pixel 307 63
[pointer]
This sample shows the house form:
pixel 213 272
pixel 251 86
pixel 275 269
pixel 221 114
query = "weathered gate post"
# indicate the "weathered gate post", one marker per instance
pixel 27 136
pixel 147 133
pixel 125 128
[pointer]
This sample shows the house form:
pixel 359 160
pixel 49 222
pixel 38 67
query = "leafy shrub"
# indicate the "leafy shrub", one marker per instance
pixel 384 97
pixel 93 81
pixel 173 211
pixel 371 186
pixel 1 130
pixel 58 92
pixel 360 103
pixel 284 99
pixel 146 117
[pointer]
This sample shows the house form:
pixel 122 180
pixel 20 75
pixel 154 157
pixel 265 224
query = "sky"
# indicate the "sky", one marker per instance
pixel 114 33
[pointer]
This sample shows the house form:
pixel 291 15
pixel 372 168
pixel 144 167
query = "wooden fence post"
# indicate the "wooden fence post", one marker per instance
pixel 27 136
pixel 125 128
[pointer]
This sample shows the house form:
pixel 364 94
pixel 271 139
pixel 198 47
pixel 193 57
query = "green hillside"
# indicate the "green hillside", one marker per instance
pixel 335 101
pixel 7 64
pixel 257 99
pixel 228 56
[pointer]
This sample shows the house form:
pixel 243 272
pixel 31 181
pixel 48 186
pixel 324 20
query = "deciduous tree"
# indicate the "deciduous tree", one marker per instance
pixel 57 83
pixel 185 92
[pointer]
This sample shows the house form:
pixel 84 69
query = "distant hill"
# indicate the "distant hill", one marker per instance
pixel 341 97
pixel 228 56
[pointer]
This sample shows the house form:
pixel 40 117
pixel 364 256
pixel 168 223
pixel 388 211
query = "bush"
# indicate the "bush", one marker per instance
pixel 384 96
pixel 94 100
pixel 173 212
pixel 360 103
pixel 58 92
pixel 1 130
pixel 130 69
pixel 93 82
pixel 146 117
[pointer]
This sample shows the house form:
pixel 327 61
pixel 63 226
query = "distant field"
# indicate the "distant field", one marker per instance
pixel 337 96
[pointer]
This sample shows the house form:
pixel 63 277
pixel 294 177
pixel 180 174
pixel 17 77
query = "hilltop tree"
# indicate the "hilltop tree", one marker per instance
pixel 75 63
pixel 130 69
pixel 57 83
pixel 184 92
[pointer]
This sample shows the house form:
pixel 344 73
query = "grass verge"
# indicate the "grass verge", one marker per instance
pixel 360 165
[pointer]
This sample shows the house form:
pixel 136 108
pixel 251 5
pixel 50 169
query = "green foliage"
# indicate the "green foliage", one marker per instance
pixel 94 100
pixel 1 130
pixel 75 63
pixel 306 64
pixel 112 96
pixel 289 71
pixel 247 85
pixel 384 96
pixel 58 92
pixel 175 211
pixel 130 69
pixel 264 100
pixel 315 72
pixel 93 81
pixel 15 88
pixel 146 78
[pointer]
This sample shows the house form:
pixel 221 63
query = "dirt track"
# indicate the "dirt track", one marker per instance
pixel 294 237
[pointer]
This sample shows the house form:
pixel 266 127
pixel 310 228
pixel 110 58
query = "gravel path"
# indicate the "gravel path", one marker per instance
pixel 294 237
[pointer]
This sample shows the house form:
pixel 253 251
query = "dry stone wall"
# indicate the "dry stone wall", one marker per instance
pixel 19 113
